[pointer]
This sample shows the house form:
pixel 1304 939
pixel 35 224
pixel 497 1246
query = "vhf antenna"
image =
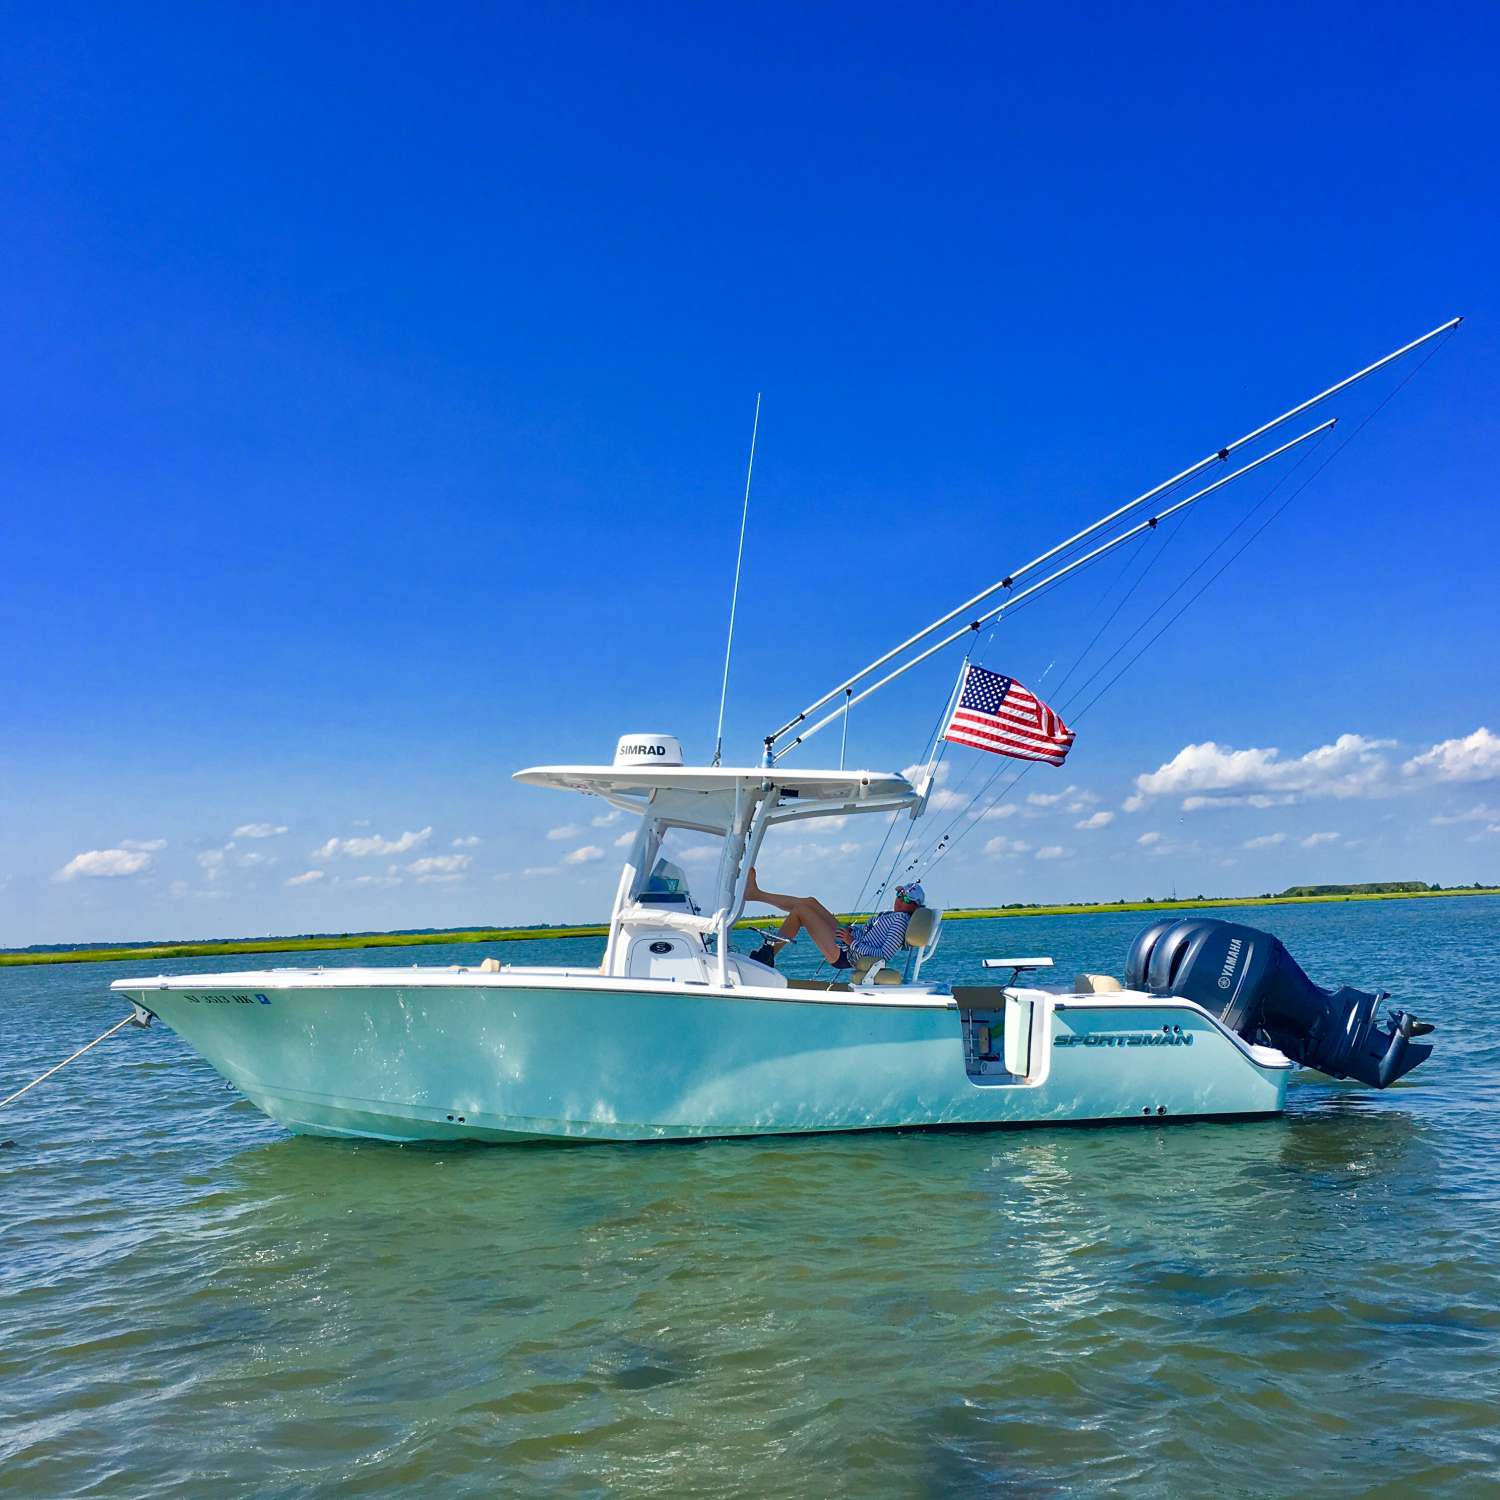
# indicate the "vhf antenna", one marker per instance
pixel 734 598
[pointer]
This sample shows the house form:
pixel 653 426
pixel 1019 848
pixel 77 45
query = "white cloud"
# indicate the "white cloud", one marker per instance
pixel 1317 840
pixel 439 864
pixel 145 846
pixel 1475 757
pixel 391 878
pixel 1264 841
pixel 1052 851
pixel 996 813
pixel 1051 799
pixel 366 845
pixel 700 855
pixel 1002 845
pixel 1147 839
pixel 1133 803
pixel 604 820
pixel 181 890
pixel 583 856
pixel 102 864
pixel 1254 799
pixel 815 850
pixel 1481 813
pixel 534 870
pixel 938 799
pixel 1218 775
pixel 566 831
pixel 259 830
pixel 826 825
pixel 625 840
pixel 1096 820
pixel 212 862
pixel 307 877
pixel 250 858
pixel 468 841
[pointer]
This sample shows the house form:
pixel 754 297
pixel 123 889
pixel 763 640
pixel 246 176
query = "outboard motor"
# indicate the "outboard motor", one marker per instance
pixel 1255 987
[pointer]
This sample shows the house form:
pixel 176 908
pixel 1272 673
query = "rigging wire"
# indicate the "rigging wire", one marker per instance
pixel 946 847
pixel 934 854
pixel 1125 599
pixel 942 851
pixel 1188 603
pixel 931 850
pixel 1182 583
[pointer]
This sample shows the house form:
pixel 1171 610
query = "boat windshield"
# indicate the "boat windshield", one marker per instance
pixel 667 886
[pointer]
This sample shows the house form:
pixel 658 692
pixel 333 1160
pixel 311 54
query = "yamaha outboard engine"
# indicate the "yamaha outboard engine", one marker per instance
pixel 1254 986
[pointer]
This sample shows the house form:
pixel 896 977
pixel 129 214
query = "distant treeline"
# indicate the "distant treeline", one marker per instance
pixel 1373 888
pixel 306 939
pixel 58 953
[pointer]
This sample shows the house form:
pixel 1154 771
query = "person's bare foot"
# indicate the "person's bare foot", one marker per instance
pixel 752 886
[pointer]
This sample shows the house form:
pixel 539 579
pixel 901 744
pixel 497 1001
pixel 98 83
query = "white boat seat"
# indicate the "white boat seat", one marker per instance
pixel 1096 984
pixel 921 939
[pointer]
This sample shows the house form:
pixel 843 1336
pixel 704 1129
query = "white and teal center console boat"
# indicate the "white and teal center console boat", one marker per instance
pixel 676 1036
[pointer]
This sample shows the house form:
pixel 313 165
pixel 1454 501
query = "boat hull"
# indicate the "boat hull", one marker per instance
pixel 500 1058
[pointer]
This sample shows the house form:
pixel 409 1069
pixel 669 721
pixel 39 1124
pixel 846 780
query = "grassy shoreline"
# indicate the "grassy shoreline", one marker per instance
pixel 226 947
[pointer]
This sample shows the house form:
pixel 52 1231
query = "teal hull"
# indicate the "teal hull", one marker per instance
pixel 430 1055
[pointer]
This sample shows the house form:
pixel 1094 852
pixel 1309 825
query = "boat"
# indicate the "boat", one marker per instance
pixel 676 1035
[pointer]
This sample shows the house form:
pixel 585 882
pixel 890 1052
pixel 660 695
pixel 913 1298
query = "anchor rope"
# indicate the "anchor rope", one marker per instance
pixel 42 1077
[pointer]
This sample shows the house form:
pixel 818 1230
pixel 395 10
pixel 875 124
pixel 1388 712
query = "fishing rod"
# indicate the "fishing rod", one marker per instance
pixel 1220 455
pixel 980 621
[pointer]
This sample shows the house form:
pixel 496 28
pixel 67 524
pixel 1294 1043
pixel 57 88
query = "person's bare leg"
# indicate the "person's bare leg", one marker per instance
pixel 821 926
pixel 753 892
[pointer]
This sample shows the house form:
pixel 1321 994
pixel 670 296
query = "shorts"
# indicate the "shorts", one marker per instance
pixel 843 961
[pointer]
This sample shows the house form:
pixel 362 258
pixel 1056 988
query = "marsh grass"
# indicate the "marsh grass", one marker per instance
pixel 323 944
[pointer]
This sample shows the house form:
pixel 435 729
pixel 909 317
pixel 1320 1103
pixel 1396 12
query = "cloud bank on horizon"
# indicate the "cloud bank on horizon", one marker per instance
pixel 1199 781
pixel 1211 775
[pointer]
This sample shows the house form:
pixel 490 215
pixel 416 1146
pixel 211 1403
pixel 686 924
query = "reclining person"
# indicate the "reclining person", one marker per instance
pixel 881 937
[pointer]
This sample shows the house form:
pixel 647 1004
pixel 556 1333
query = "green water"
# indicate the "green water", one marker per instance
pixel 194 1304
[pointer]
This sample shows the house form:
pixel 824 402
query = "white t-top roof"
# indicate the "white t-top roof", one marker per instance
pixel 820 786
pixel 704 796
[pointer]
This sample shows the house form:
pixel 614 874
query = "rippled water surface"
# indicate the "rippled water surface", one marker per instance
pixel 193 1303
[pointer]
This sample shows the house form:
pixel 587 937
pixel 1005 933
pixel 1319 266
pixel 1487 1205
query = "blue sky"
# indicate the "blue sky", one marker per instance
pixel 376 385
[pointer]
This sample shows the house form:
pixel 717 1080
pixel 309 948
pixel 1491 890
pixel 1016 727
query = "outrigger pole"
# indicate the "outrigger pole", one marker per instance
pixel 980 621
pixel 1220 456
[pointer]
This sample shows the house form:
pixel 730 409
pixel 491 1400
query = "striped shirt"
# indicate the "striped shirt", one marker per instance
pixel 880 937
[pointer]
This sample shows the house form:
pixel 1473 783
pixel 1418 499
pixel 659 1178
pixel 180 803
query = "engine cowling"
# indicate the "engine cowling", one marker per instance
pixel 1249 981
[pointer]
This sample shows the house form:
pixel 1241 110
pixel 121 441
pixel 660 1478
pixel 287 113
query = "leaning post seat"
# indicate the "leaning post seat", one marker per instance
pixel 921 941
pixel 1096 984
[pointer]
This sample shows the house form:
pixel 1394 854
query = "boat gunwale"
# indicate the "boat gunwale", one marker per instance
pixel 903 999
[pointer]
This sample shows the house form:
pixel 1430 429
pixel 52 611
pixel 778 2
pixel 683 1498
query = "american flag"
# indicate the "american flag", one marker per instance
pixel 996 713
